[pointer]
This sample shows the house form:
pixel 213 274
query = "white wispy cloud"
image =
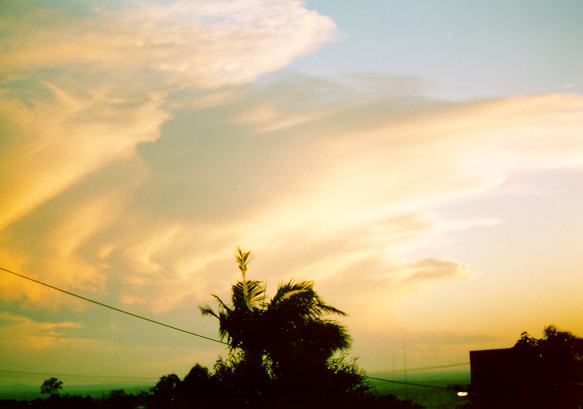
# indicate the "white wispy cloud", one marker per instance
pixel 185 43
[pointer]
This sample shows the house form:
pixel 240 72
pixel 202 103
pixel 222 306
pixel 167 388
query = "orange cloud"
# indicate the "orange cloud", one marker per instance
pixel 58 140
pixel 26 334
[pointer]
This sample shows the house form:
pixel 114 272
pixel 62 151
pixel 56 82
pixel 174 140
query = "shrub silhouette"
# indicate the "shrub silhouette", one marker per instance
pixel 196 387
pixel 166 392
pixel 51 386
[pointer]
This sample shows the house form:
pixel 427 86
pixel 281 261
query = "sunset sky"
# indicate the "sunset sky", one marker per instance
pixel 421 161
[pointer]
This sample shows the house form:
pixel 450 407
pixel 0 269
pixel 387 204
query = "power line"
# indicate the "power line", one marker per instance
pixel 428 368
pixel 421 385
pixel 5 371
pixel 112 307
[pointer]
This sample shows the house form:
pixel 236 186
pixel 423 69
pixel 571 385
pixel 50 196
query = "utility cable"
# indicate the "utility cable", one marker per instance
pixel 421 385
pixel 428 368
pixel 112 307
pixel 5 371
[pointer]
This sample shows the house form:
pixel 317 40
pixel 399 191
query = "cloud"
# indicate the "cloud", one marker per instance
pixel 432 269
pixel 339 204
pixel 269 119
pixel 59 346
pixel 55 140
pixel 186 43
pixel 334 195
pixel 99 89
pixel 23 333
pixel 84 86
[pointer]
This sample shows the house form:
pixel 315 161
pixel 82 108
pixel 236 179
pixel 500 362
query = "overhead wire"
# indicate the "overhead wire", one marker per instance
pixel 421 385
pixel 73 375
pixel 429 368
pixel 111 307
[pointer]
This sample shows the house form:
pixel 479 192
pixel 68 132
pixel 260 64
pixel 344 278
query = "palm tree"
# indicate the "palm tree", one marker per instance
pixel 239 323
pixel 290 332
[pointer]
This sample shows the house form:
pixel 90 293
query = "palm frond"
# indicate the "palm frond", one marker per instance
pixel 207 310
pixel 290 289
pixel 302 298
pixel 243 258
pixel 255 293
pixel 328 309
pixel 248 295
pixel 222 304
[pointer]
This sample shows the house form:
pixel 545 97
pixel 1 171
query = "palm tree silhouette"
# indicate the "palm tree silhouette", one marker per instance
pixel 240 322
pixel 288 337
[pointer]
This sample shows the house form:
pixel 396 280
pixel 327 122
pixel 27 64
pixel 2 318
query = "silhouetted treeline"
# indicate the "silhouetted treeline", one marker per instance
pixel 116 399
pixel 226 387
pixel 229 386
pixel 535 373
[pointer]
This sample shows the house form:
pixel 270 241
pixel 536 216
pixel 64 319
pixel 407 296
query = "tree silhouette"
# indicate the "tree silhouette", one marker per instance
pixel 165 393
pixel 286 339
pixel 196 387
pixel 558 360
pixel 51 386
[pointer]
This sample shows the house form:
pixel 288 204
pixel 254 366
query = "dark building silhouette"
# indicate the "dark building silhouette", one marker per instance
pixel 503 372
pixel 522 378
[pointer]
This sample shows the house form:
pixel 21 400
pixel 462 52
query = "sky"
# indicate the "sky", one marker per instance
pixel 422 162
